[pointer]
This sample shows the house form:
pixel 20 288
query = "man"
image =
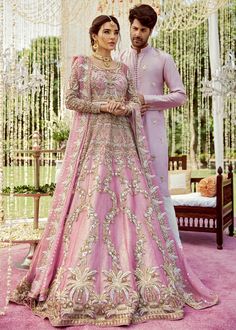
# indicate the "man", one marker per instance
pixel 151 69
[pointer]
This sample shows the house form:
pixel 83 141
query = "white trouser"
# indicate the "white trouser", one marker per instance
pixel 169 207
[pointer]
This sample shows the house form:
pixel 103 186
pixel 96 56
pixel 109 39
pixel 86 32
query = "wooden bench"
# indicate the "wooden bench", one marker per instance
pixel 207 219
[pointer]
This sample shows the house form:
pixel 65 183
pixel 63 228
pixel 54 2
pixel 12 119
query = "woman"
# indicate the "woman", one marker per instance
pixel 107 256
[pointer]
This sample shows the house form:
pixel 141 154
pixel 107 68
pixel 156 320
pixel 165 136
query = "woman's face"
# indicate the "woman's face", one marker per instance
pixel 107 36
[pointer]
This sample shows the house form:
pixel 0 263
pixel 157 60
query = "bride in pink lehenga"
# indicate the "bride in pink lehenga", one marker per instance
pixel 107 256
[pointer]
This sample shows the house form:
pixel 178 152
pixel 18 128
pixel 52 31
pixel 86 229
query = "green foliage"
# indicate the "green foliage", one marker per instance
pixel 60 131
pixel 29 189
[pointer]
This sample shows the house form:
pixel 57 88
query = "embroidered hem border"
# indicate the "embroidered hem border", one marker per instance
pixel 102 322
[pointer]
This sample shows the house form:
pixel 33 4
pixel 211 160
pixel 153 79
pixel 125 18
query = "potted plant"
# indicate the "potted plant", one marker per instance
pixel 60 133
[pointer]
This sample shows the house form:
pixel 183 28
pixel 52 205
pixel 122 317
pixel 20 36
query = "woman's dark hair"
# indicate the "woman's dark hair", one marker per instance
pixel 98 22
pixel 145 14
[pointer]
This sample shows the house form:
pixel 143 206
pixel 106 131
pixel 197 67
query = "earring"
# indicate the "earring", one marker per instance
pixel 95 46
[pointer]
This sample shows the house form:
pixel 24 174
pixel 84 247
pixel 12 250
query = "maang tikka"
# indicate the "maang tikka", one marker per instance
pixel 111 21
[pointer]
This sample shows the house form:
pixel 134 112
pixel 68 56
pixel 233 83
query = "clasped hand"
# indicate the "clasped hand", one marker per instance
pixel 116 108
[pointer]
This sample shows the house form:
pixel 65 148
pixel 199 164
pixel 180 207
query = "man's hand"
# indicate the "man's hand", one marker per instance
pixel 144 106
pixel 141 99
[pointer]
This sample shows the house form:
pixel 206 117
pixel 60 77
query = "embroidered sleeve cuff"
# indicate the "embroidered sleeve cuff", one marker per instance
pixel 95 108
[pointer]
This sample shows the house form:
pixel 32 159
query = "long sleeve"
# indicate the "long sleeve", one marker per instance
pixel 176 95
pixel 73 101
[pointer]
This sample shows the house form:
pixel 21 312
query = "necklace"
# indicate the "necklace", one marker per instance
pixel 106 59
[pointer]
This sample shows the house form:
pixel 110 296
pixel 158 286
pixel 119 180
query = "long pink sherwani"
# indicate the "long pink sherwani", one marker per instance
pixel 107 256
pixel 151 69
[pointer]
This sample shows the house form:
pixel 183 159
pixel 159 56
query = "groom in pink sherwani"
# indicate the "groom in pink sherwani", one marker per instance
pixel 151 69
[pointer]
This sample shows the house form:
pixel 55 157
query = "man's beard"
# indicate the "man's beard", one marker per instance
pixel 138 42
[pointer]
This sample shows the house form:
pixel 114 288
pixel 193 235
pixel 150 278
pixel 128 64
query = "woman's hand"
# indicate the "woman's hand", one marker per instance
pixel 115 108
pixel 112 106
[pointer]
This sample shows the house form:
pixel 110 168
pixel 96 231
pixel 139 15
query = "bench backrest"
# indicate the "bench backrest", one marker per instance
pixel 177 163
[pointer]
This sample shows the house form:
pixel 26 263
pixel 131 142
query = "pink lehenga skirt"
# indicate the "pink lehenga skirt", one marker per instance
pixel 107 256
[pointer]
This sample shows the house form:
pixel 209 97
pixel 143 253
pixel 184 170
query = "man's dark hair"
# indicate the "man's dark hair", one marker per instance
pixel 145 14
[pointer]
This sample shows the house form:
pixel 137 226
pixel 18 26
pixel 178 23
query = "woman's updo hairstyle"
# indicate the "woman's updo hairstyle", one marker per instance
pixel 98 22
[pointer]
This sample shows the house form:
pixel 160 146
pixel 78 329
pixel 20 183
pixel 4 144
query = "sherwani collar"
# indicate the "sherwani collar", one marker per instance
pixel 142 51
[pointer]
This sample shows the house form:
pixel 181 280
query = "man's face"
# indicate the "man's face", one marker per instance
pixel 139 34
